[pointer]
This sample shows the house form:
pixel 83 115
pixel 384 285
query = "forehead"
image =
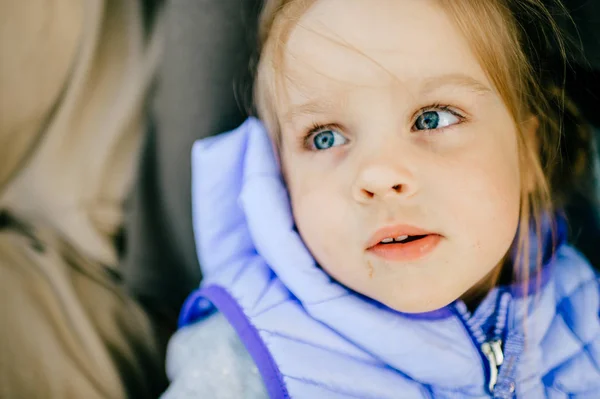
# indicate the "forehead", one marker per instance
pixel 405 45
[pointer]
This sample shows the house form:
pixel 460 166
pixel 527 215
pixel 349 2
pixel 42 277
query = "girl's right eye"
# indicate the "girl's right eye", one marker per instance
pixel 325 139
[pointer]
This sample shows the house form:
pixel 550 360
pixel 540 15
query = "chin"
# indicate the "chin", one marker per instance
pixel 418 304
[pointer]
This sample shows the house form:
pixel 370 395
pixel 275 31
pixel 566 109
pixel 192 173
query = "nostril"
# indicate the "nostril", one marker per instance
pixel 397 188
pixel 368 194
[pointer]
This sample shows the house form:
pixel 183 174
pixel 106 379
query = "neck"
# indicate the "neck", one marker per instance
pixel 473 297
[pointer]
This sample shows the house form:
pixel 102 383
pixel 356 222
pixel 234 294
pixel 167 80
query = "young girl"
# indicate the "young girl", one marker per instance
pixel 424 254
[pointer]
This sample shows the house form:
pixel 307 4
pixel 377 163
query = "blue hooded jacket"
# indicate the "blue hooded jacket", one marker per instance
pixel 311 337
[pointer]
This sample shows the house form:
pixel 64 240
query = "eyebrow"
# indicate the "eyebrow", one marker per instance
pixel 460 80
pixel 427 86
pixel 310 108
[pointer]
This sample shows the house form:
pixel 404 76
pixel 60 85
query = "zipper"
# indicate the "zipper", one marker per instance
pixel 491 349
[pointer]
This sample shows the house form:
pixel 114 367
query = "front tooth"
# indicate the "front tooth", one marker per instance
pixel 387 240
pixel 401 238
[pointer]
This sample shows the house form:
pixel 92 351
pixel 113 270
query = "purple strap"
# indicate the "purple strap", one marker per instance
pixel 201 302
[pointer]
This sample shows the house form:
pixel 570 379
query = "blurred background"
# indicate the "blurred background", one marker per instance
pixel 100 102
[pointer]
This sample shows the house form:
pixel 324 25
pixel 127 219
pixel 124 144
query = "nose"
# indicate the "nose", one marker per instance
pixel 380 181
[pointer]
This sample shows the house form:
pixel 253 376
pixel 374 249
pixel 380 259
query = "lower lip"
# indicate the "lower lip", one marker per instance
pixel 408 252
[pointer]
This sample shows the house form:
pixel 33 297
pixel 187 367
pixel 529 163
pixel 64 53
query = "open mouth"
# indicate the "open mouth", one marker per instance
pixel 395 246
pixel 405 239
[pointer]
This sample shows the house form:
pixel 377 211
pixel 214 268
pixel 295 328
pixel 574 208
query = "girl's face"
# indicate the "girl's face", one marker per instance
pixel 391 128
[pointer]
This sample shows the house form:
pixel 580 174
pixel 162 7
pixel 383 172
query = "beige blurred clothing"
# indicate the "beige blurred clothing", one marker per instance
pixel 73 80
pixel 82 155
pixel 68 330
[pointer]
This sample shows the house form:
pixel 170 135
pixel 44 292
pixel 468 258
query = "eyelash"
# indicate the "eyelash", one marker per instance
pixel 439 107
pixel 317 127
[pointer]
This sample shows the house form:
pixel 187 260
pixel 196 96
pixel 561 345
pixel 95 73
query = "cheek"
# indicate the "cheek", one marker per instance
pixel 493 183
pixel 319 212
pixel 487 199
pixel 498 174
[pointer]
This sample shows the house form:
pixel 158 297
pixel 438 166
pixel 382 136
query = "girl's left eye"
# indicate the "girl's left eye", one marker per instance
pixel 436 119
pixel 326 139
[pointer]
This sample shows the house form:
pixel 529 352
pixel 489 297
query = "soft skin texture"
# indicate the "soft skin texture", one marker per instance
pixel 369 90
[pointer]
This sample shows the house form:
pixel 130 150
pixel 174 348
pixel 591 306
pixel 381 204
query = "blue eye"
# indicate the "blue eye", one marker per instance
pixel 431 120
pixel 326 139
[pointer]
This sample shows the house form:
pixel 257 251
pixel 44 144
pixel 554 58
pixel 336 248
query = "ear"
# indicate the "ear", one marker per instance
pixel 530 131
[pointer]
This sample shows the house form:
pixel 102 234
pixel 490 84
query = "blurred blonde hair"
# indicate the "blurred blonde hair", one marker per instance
pixel 508 37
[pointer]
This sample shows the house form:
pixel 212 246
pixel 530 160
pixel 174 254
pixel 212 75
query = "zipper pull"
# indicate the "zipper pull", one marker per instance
pixel 493 353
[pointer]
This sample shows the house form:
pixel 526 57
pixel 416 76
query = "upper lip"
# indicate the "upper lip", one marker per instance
pixel 395 231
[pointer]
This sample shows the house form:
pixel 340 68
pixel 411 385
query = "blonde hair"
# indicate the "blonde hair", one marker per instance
pixel 509 39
